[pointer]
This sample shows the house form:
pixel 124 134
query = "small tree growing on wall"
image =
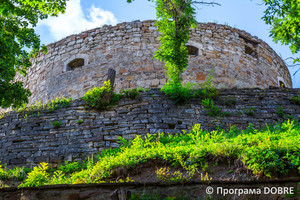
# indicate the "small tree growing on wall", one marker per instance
pixel 174 20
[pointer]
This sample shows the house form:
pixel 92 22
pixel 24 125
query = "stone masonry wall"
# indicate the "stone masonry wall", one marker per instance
pixel 30 139
pixel 237 58
pixel 190 190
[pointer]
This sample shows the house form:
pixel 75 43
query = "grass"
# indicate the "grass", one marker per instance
pixel 50 106
pixel 268 152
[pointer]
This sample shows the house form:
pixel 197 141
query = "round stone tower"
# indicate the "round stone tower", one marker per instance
pixel 79 62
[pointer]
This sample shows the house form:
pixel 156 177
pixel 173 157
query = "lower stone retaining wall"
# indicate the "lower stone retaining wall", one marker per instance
pixel 261 190
pixel 30 139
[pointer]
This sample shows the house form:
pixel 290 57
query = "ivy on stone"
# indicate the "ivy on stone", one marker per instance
pixel 174 20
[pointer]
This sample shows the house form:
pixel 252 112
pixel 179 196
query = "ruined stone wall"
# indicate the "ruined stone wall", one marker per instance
pixel 238 59
pixel 29 138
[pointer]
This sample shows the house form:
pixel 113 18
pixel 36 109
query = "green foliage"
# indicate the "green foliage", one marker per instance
pixel 284 18
pixel 279 111
pixel 71 167
pixel 49 106
pixel 17 173
pixel 94 97
pixel 155 196
pixel 17 22
pixel 2 115
pixel 230 101
pixel 209 105
pixel 271 151
pixel 56 124
pixel 37 177
pixel 295 100
pixel 59 103
pixel 174 18
pixel 249 111
pixel 80 121
pixel 164 175
pixel 133 93
pixel 180 94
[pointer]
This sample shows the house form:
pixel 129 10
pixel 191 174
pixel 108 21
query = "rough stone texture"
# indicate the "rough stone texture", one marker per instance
pixel 238 59
pixel 32 139
pixel 192 190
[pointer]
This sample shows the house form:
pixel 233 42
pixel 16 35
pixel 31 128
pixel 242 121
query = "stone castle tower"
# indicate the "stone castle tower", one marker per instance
pixel 79 62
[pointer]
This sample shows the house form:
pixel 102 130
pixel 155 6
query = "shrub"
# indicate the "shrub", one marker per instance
pixel 37 177
pixel 209 105
pixel 59 103
pixel 279 111
pixel 249 111
pixel 94 97
pixel 230 101
pixel 133 93
pixel 79 121
pixel 164 175
pixel 56 124
pixel 295 100
pixel 180 94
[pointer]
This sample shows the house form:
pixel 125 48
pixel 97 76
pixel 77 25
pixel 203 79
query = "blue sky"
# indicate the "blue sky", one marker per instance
pixel 83 15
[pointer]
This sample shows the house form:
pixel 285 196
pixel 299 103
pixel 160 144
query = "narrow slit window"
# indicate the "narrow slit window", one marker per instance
pixel 76 63
pixel 193 51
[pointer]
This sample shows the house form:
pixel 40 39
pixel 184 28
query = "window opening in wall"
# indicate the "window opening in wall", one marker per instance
pixel 76 63
pixel 250 51
pixel 250 46
pixel 281 84
pixel 193 51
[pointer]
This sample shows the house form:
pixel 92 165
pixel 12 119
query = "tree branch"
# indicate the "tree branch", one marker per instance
pixel 212 3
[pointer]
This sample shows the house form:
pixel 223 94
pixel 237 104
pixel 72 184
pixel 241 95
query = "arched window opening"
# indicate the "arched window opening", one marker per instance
pixel 193 51
pixel 76 63
pixel 281 84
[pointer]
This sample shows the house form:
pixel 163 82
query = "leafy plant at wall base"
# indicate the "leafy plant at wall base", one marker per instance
pixel 71 167
pixel 56 124
pixel 37 177
pixel 17 173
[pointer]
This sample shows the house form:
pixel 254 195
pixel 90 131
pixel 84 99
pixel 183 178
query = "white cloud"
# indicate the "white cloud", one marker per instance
pixel 74 20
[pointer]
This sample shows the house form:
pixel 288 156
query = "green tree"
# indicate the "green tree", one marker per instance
pixel 174 20
pixel 17 19
pixel 284 18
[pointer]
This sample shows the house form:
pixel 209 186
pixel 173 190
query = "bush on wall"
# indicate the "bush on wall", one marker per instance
pixel 97 97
